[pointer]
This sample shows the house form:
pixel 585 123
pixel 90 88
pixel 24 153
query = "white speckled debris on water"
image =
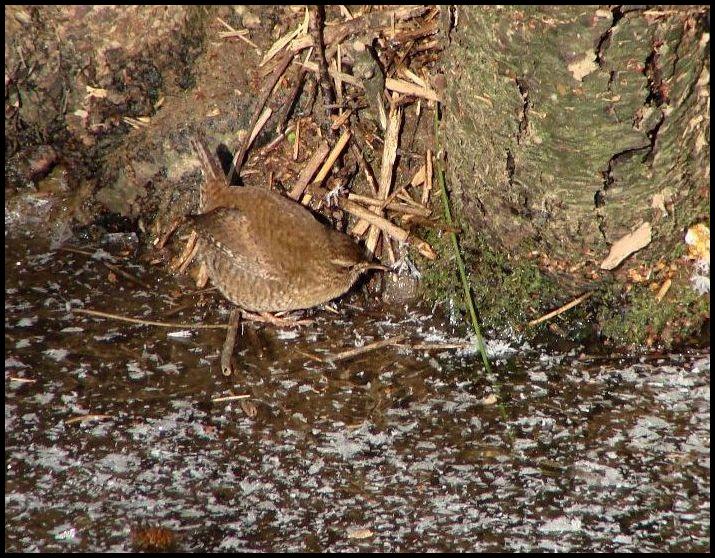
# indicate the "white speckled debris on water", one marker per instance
pixel 111 427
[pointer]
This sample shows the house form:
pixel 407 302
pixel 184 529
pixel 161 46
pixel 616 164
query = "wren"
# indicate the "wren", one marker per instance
pixel 268 253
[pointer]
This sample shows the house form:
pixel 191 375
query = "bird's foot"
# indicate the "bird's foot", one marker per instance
pixel 274 319
pixel 187 255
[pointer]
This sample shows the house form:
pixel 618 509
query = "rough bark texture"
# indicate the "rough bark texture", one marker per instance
pixel 71 72
pixel 565 129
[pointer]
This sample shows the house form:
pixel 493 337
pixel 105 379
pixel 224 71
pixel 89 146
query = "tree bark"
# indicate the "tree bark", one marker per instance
pixel 565 129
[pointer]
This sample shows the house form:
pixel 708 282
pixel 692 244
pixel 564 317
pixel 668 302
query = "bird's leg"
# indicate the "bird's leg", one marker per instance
pixel 190 249
pixel 227 363
pixel 161 242
pixel 202 277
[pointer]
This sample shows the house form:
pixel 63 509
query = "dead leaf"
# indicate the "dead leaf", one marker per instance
pixel 663 290
pixel 627 245
pixel 96 92
pixel 249 408
pixel 584 66
pixel 698 240
pixel 359 533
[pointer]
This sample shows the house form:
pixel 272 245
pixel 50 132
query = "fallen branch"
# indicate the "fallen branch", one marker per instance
pixel 147 322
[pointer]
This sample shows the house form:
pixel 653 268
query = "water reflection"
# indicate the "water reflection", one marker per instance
pixel 115 429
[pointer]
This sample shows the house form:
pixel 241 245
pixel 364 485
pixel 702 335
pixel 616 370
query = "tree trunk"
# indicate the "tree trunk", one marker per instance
pixel 565 129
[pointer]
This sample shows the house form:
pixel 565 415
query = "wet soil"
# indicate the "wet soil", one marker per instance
pixel 394 450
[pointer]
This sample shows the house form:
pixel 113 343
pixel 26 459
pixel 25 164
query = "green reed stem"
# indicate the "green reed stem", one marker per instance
pixel 458 255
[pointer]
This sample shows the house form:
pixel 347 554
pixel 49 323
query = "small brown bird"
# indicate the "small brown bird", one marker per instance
pixel 267 253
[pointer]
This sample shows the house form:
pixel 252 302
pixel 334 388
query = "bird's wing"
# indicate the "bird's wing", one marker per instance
pixel 286 234
pixel 230 232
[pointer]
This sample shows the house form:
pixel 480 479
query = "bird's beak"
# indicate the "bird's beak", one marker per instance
pixel 365 266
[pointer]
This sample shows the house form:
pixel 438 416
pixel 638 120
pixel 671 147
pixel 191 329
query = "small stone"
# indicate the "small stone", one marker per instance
pixel 399 289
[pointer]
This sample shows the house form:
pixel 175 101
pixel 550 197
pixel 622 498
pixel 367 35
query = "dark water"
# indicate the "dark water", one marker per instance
pixel 397 449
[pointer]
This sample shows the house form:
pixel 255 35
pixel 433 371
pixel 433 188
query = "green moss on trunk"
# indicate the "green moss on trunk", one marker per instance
pixel 565 128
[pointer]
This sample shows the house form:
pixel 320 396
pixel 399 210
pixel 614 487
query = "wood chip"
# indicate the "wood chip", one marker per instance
pixel 374 219
pixel 387 227
pixel 415 78
pixel 302 29
pixel 340 120
pixel 399 207
pixel 234 33
pixel 309 171
pixel 334 154
pixel 296 145
pixel 419 176
pixel 402 86
pixel 345 12
pixel 428 178
pixel 335 74
pixel 389 154
pixel 259 125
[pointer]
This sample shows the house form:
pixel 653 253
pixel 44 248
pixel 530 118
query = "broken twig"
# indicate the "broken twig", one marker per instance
pixel 561 310
pixel 365 348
